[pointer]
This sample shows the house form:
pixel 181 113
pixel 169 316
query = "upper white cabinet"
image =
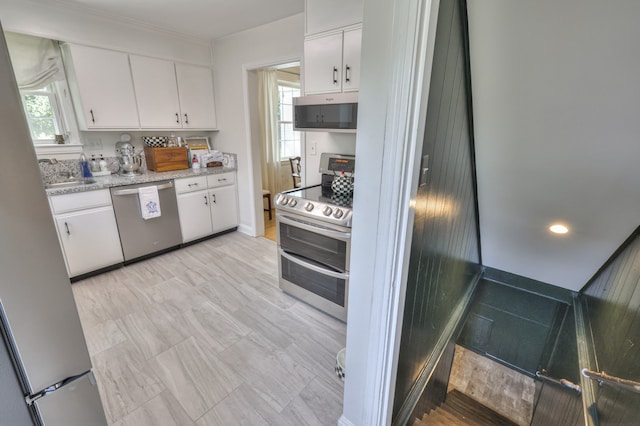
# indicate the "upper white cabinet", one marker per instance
pixel 173 96
pixel 156 92
pixel 325 15
pixel 332 62
pixel 195 89
pixel 101 87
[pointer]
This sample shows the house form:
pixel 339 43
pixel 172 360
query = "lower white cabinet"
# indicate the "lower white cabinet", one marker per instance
pixel 87 231
pixel 207 205
pixel 224 213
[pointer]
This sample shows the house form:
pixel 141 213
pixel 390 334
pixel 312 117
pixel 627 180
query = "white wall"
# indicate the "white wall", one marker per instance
pixel 73 25
pixel 271 44
pixel 555 94
pixel 338 143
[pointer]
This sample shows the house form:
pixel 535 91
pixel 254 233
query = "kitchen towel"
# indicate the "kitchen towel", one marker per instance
pixel 149 202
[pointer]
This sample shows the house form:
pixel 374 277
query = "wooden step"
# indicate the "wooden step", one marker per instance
pixel 462 410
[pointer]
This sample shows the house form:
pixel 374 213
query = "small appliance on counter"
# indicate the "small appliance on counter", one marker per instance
pixel 129 162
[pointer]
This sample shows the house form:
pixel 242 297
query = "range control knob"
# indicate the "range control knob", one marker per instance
pixel 292 202
pixel 327 211
pixel 308 207
pixel 284 201
pixel 338 213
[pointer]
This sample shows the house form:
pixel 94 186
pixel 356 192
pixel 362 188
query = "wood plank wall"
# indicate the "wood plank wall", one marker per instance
pixel 445 250
pixel 613 309
pixel 557 406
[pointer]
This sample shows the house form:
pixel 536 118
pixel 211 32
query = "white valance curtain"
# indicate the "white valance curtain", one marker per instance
pixel 36 61
pixel 268 111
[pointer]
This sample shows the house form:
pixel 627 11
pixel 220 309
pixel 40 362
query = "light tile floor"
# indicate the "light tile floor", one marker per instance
pixel 204 336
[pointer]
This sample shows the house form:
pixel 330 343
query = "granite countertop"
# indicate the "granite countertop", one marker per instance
pixel 113 180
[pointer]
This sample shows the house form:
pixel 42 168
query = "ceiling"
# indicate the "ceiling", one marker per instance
pixel 556 101
pixel 205 19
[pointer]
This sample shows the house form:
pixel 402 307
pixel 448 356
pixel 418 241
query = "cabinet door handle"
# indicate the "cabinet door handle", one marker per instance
pixel 214 198
pixel 206 202
pixel 66 226
pixel 93 119
pixel 177 118
pixel 186 119
pixel 347 79
pixel 335 75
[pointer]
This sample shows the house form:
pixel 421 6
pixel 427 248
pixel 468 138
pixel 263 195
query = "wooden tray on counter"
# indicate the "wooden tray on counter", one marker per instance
pixel 166 159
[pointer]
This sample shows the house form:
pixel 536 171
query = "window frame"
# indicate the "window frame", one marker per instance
pixel 54 101
pixel 292 85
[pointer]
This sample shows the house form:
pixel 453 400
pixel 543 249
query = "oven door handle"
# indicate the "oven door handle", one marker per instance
pixel 316 229
pixel 313 267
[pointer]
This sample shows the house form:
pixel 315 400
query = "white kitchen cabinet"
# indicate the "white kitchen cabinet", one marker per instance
pixel 193 208
pixel 224 207
pixel 173 96
pixel 207 204
pixel 101 87
pixel 195 90
pixel 332 62
pixel 325 15
pixel 87 231
pixel 223 195
pixel 156 92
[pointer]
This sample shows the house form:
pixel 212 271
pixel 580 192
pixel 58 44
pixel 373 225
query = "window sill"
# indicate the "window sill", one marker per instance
pixel 57 149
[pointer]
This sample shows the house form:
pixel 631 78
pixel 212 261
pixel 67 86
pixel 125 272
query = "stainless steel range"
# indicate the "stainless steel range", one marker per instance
pixel 314 237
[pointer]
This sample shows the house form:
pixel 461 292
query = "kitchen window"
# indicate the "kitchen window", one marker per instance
pixel 43 114
pixel 288 138
pixel 39 72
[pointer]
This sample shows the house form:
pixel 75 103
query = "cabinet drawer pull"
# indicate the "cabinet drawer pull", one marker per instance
pixel 66 226
pixel 335 75
pixel 192 184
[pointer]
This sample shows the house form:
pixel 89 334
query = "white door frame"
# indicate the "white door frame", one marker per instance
pixel 252 144
pixel 397 54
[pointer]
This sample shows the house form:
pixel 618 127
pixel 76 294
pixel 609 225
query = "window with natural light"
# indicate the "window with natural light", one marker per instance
pixel 289 139
pixel 43 114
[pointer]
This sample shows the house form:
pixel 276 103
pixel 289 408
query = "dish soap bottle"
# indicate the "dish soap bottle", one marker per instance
pixel 84 165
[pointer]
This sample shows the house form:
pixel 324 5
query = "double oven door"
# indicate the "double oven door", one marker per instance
pixel 314 262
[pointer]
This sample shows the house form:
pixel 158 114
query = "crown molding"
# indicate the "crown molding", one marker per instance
pixel 124 20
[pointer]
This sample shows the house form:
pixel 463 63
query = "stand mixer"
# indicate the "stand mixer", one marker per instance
pixel 128 161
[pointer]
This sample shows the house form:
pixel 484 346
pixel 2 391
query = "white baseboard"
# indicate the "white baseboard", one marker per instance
pixel 246 230
pixel 344 421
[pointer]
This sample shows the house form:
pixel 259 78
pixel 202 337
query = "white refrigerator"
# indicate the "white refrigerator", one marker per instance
pixel 45 369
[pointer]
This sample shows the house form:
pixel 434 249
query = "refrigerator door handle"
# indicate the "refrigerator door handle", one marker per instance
pixel 30 399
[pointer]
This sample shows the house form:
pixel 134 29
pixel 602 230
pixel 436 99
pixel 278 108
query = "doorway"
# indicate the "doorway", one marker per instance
pixel 271 91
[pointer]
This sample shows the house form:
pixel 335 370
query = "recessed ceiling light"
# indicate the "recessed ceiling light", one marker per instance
pixel 558 229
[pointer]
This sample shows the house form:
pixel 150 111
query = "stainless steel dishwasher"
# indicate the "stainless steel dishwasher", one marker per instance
pixel 140 237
